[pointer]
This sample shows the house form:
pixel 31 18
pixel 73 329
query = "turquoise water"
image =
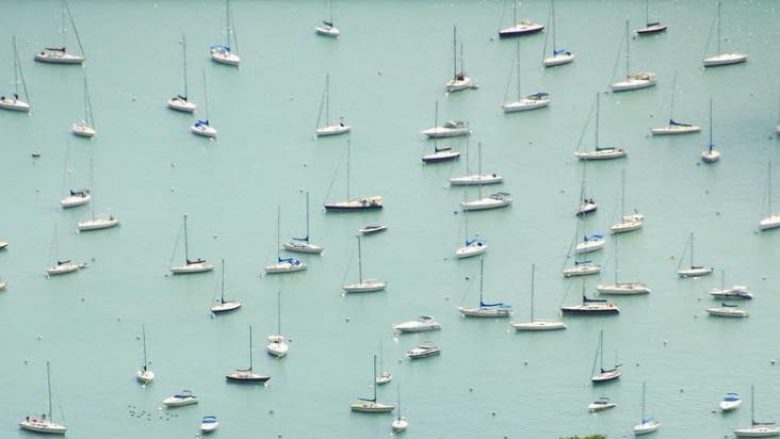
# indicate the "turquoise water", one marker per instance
pixel 387 70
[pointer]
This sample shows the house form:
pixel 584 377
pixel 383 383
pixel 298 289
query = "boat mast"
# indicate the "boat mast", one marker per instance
pixel 718 28
pixel 616 262
pixel 514 13
pixel 691 249
pixel 554 27
pixel 398 394
pixel 73 25
pixel 227 21
pixel 479 166
pixel 186 244
pixel 454 52
pixel 711 145
pixel 279 313
pixel 360 261
pixel 644 384
pixel 222 289
pixel 752 399
pixel 48 385
pixel 601 342
pixel 250 348
pixel 770 187
pixel 647 22
pixel 462 64
pixel 92 185
pixel 597 119
pixel 349 144
pixel 184 57
pixel 517 66
pixel 623 194
pixel 327 98
pixel 628 57
pixel 206 94
pixel 278 228
pixel 481 279
pixel 307 216
pixel 674 88
pixel 143 332
pixel 533 274
pixel 18 71
pixel 374 381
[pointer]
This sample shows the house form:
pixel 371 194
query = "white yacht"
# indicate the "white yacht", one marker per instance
pixel 520 28
pixel 181 102
pixel 191 266
pixel 647 424
pixel 590 243
pixel 582 268
pixel 424 350
pixel 422 324
pixel 485 310
pixel 721 58
pixel 730 402
pixel 492 201
pixel 636 80
pixel 45 424
pixel 363 285
pixel 13 102
pixel 533 324
pixel 460 80
pixel 328 127
pixel 371 405
pixel 181 399
pixel 601 405
pixel 727 310
pixel 529 102
pixel 693 270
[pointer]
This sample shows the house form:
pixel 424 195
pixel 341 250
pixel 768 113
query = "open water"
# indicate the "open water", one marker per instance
pixel 387 70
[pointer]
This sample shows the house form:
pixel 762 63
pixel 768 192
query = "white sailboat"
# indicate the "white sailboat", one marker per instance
pixel 352 204
pixel 85 127
pixel 471 246
pixel 451 128
pixel 693 270
pixel 723 58
pixel 475 179
pixel 399 424
pixel 327 28
pixel 74 197
pixel 628 222
pixel 590 306
pixel 202 127
pixel 757 429
pixel 486 310
pixel 771 221
pixel 533 324
pixel 533 101
pixel 283 265
pixel 710 155
pixel 440 154
pixel 633 81
pixel 328 127
pixel 601 405
pixel 423 350
pixel 647 424
pixel 600 152
pixel 730 402
pixel 222 305
pixel 62 266
pixel 728 310
pixel 619 288
pixel 384 377
pixel 44 424
pixel 604 375
pixel 277 343
pixel 460 80
pixel 737 292
pixel 370 405
pixel 363 285
pixel 674 127
pixel 582 267
pixel 247 375
pixel 650 27
pixel 587 204
pixel 13 102
pixel 208 424
pixel 492 201
pixel 144 375
pixel 590 243
pixel 181 102
pixel 191 266
pixel 59 55
pixel 520 28
pixel 559 56
pixel 226 53
pixel 303 245
pixel 422 324
pixel 97 222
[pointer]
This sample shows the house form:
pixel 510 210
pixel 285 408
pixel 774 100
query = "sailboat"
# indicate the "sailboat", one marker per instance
pixel 710 155
pixel 224 53
pixel 757 429
pixel 327 28
pixel 144 375
pixel 247 375
pixel 650 27
pixel 451 128
pixel 728 310
pixel 363 285
pixel 202 127
pixel 97 222
pixel 223 305
pixel 74 197
pixel 674 127
pixel 191 266
pixel 460 80
pixel 600 152
pixel 478 178
pixel 492 201
pixel 633 81
pixel 302 245
pixel 13 102
pixel 773 220
pixel 587 204
pixel 582 267
pixel 62 266
pixel 533 324
pixel 85 127
pixel 283 265
pixel 370 405
pixel 181 102
pixel 694 270
pixel 590 243
pixel 622 288
pixel 604 375
pixel 327 127
pixel 533 101
pixel 354 204
pixel 399 424
pixel 735 292
pixel 559 56
pixel 384 377
pixel 486 310
pixel 591 306
pixel 628 222
pixel 517 29
pixel 647 424
pixel 721 58
pixel 277 343
pixel 471 246
pixel 58 55
pixel 45 424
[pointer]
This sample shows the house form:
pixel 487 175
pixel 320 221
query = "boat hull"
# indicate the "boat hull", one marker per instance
pixel 605 377
pixel 454 85
pixel 724 59
pixel 440 157
pixel 494 201
pixel 476 180
pixel 399 425
pixel 646 427
pixel 284 267
pixel 486 313
pixel 624 227
pixel 728 313
pixel 181 105
pixel 587 310
pixel 246 376
pixel 470 250
pixel 144 376
pixel 229 59
pixel 674 129
pixel 303 247
pixel 204 130
pixel 193 268
pixel 582 270
pixel 694 272
pixel 558 60
pixel 179 402
pixel 66 268
pixel 371 407
pixel 9 103
pixel 327 31
pixel 367 286
pixel 75 201
pixel 632 83
pixel 58 58
pixel 538 326
pixel 525 104
pixel 770 222
pixel 332 130
pixel 521 29
pixel 442 132
pixel 650 29
pixel 366 203
pixel 590 246
pixel 98 224
pixel 223 307
pixel 602 154
pixel 623 289
pixel 81 129
pixel 43 426
pixel 757 431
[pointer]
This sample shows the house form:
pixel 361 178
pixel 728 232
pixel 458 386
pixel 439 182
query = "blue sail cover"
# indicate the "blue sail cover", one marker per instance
pixel 731 397
pixel 539 95
pixel 560 52
pixel 587 299
pixel 475 240
pixel 647 419
pixel 494 305
pixel 202 123
pixel 678 124
pixel 584 261
pixel 220 48
pixel 293 261
pixel 304 239
pixel 592 237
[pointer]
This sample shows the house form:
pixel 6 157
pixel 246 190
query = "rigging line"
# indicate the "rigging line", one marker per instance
pixel 335 174
pixel 176 244
pixel 546 36
pixel 709 38
pixel 469 286
pixel 349 266
pixel 503 14
pixel 75 30
pixel 509 82
pixel 617 60
pixel 565 295
pixel 585 128
pixel 684 253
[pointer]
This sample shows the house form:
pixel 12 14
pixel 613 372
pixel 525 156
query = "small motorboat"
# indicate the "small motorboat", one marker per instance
pixel 208 424
pixel 728 310
pixel 371 229
pixel 423 323
pixel 601 405
pixel 181 399
pixel 730 402
pixel 422 351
